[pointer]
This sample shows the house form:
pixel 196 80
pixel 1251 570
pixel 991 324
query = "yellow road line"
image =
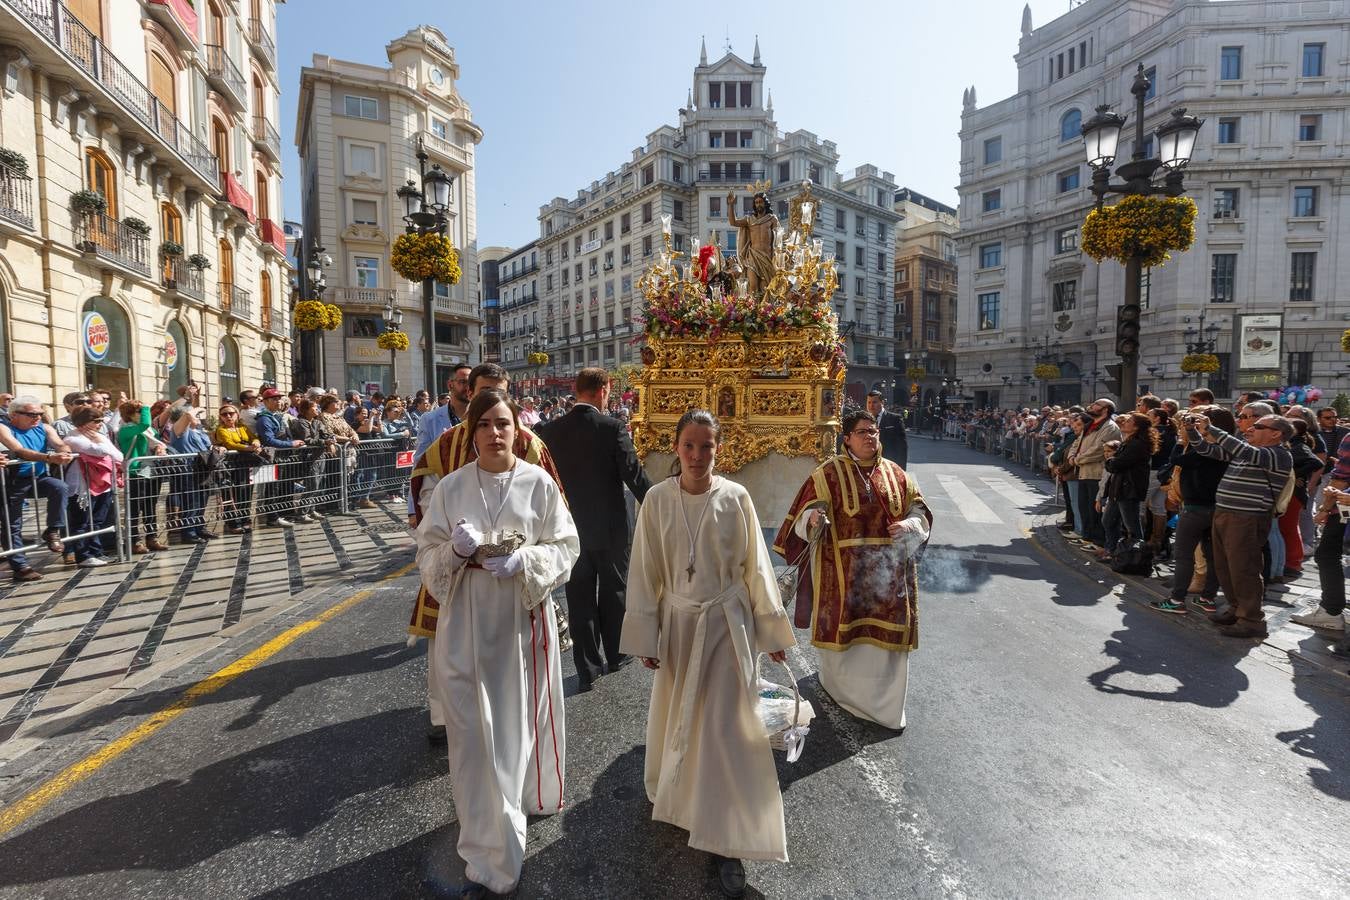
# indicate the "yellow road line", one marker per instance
pixel 26 808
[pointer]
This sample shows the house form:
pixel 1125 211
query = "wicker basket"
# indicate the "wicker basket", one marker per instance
pixel 790 738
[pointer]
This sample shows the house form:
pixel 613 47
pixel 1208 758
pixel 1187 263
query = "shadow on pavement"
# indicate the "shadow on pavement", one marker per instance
pixel 289 787
pixel 610 847
pixel 824 747
pixel 1326 741
pixel 1205 667
pixel 267 685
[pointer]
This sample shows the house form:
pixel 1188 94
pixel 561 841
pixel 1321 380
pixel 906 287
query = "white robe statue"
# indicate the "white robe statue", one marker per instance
pixel 709 769
pixel 498 675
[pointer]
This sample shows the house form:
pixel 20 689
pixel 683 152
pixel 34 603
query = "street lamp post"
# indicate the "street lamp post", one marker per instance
pixel 424 213
pixel 313 260
pixel 1202 339
pixel 393 321
pixel 1176 141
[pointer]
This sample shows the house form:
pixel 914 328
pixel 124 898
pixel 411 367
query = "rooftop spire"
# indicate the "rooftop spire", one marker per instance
pixel 702 51
pixel 756 59
pixel 1026 20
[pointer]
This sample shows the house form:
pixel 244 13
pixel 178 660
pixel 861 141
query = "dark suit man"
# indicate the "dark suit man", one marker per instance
pixel 894 444
pixel 595 457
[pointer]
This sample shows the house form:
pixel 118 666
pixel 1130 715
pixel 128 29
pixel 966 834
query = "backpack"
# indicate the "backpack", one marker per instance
pixel 1133 559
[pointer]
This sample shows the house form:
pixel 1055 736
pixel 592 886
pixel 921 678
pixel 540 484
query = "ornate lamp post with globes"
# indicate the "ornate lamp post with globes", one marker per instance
pixel 1176 141
pixel 425 213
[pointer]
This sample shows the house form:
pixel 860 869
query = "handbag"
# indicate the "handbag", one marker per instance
pixel 252 459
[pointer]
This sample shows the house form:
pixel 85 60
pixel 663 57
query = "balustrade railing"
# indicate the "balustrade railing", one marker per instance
pixel 16 197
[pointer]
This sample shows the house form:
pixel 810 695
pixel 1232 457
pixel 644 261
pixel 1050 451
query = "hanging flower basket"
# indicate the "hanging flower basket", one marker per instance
pixel 199 261
pixel 15 160
pixel 140 226
pixel 171 248
pixel 1046 372
pixel 1345 341
pixel 420 256
pixel 315 315
pixel 392 340
pixel 1196 363
pixel 1143 227
pixel 914 373
pixel 537 358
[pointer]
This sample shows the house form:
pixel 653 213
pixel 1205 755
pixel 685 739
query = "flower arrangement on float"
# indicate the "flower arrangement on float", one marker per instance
pixel 420 256
pixel 1046 371
pixel 315 315
pixel 393 340
pixel 1143 227
pixel 537 358
pixel 1198 363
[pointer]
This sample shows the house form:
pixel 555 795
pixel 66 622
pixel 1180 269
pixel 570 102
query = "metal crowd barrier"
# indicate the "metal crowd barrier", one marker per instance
pixel 183 494
pixel 1027 450
pixel 26 509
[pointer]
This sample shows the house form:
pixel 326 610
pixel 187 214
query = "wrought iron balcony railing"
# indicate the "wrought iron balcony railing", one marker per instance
pixel 262 42
pixel 177 275
pixel 16 197
pixel 221 69
pixel 108 239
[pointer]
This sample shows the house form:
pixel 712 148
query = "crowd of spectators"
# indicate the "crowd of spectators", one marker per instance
pixel 1238 497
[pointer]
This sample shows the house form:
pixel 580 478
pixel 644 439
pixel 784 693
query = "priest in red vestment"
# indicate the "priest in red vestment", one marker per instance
pixel 858 589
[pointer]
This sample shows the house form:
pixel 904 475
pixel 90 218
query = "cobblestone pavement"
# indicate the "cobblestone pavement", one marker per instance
pixel 68 639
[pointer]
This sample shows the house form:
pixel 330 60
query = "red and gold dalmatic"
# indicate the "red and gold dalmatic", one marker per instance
pixel 859 590
pixel 452 451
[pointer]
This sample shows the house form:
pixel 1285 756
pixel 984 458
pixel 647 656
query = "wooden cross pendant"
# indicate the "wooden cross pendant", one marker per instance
pixel 690 571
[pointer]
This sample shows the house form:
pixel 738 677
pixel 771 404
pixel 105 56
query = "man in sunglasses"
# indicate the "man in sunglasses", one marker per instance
pixel 1258 468
pixel 38 445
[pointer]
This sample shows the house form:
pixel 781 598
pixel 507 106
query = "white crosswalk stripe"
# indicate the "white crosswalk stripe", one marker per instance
pixel 972 508
pixel 1016 495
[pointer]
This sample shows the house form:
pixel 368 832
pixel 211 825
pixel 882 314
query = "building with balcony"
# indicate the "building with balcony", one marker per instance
pixel 1267 173
pixel 358 130
pixel 489 299
pixel 925 297
pixel 137 213
pixel 593 248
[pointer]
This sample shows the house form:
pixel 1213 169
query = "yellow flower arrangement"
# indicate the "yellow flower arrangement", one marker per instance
pixel 914 373
pixel 392 340
pixel 1345 341
pixel 419 256
pixel 1046 372
pixel 1195 363
pixel 311 315
pixel 1144 227
pixel 537 358
pixel 334 314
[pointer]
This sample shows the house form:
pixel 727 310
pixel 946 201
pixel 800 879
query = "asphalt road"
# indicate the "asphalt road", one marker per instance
pixel 1062 741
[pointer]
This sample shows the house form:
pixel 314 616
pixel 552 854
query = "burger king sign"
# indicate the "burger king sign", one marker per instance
pixel 97 339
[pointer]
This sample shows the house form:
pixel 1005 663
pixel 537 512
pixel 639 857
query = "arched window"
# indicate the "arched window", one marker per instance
pixel 226 275
pixel 220 142
pixel 229 368
pixel 105 342
pixel 171 231
pixel 265 302
pixel 163 83
pixel 1071 126
pixel 177 359
pixel 102 177
pixel 269 361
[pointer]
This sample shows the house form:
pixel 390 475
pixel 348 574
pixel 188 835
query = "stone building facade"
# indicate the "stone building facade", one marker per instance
pixel 593 248
pixel 140 190
pixel 1268 174
pixel 358 131
pixel 925 298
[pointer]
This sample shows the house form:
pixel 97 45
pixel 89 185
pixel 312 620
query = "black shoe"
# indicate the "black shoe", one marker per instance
pixel 623 661
pixel 730 876
pixel 436 734
pixel 1245 630
pixel 584 687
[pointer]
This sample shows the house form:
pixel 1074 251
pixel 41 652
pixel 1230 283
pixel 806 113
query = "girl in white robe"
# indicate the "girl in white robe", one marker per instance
pixel 498 675
pixel 702 602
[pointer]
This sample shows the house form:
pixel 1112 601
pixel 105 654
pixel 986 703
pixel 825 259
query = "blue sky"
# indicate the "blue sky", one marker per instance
pixel 565 91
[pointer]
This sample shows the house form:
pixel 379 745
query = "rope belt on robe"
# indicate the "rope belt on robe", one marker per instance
pixel 734 603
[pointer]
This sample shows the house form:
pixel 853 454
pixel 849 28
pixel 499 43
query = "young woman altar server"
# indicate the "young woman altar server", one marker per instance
pixel 495 541
pixel 702 602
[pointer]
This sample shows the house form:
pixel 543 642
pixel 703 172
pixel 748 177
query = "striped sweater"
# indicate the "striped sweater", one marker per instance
pixel 1255 475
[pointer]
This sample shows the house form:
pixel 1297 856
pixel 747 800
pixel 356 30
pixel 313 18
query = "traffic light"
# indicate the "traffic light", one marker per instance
pixel 1112 380
pixel 1127 330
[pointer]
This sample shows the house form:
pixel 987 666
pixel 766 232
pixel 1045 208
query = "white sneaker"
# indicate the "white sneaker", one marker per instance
pixel 1320 618
pixel 92 562
pixel 283 522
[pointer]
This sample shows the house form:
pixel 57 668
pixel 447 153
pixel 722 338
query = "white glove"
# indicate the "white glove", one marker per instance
pixel 505 566
pixel 465 539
